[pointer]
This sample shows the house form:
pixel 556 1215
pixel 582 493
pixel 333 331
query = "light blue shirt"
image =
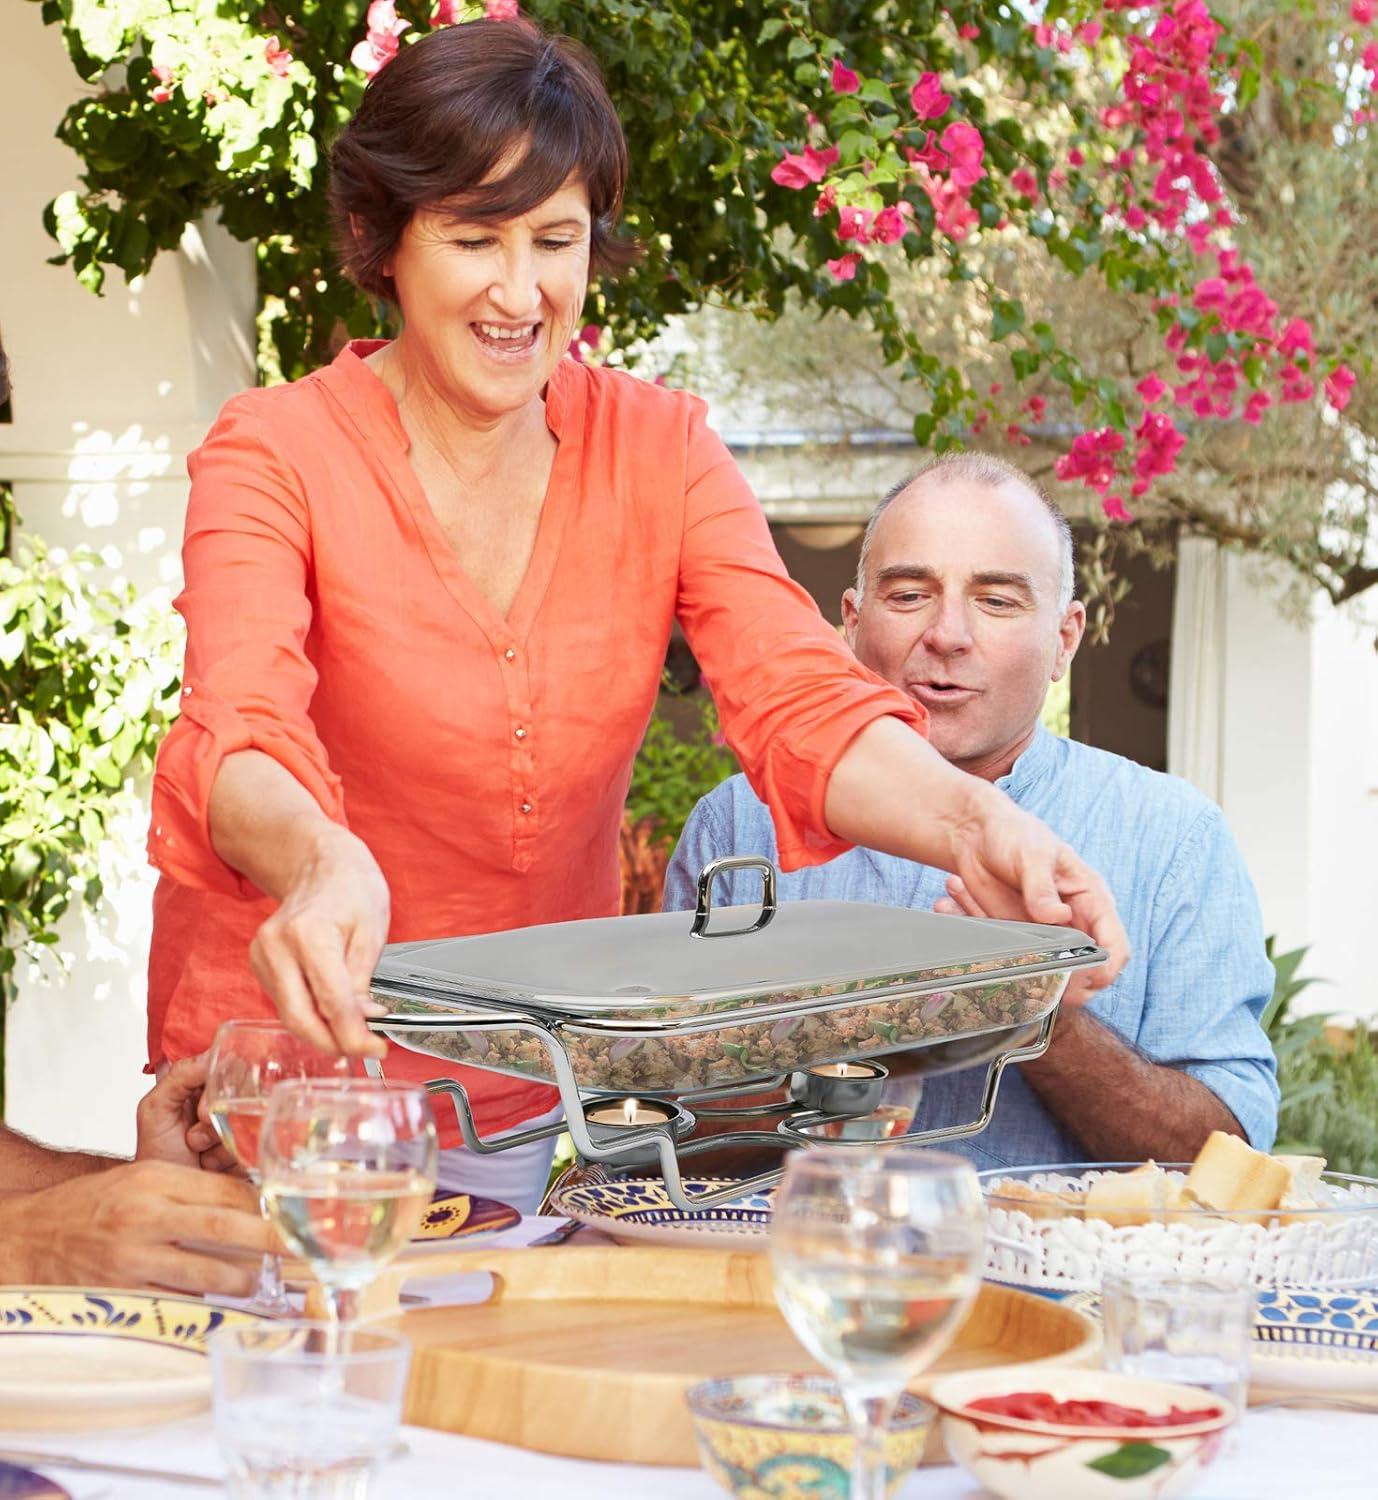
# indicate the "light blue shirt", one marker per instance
pixel 1196 982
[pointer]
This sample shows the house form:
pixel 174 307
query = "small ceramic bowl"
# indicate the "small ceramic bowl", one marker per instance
pixel 787 1437
pixel 1020 1460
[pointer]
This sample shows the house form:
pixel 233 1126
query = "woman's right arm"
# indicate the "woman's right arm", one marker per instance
pixel 244 799
pixel 316 953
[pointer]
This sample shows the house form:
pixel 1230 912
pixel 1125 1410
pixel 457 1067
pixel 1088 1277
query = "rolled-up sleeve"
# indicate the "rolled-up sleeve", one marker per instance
pixel 791 696
pixel 1209 978
pixel 247 682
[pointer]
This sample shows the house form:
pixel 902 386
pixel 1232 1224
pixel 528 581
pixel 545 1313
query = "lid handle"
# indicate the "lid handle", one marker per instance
pixel 710 873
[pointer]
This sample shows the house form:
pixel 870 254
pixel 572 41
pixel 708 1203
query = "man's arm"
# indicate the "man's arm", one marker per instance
pixel 1120 1104
pixel 26 1165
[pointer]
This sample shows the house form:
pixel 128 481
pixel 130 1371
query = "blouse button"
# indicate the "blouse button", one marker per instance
pixel 526 807
pixel 509 655
pixel 519 732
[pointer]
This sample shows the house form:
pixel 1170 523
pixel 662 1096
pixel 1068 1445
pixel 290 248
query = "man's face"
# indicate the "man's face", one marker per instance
pixel 960 611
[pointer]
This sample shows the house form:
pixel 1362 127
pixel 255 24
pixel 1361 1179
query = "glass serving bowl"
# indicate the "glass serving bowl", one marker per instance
pixel 1046 1246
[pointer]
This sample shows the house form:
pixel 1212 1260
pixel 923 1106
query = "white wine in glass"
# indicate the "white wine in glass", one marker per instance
pixel 248 1060
pixel 348 1171
pixel 877 1256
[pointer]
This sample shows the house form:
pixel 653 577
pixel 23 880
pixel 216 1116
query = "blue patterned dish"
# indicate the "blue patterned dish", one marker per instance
pixel 637 1210
pixel 75 1358
pixel 460 1216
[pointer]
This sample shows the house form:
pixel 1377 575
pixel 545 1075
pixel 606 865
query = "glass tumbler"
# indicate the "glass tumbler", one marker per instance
pixel 306 1411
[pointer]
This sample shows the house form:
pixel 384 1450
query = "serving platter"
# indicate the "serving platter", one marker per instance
pixel 639 1211
pixel 74 1358
pixel 587 1352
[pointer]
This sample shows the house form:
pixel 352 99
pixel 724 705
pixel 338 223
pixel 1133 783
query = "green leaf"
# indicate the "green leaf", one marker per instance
pixel 924 424
pixel 1007 316
pixel 770 29
pixel 799 47
pixel 1131 1460
pixel 1025 362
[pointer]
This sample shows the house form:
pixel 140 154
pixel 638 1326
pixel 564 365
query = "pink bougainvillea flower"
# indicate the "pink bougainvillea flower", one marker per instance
pixel 1361 11
pixel 1113 506
pixel 1338 385
pixel 1044 35
pixel 1023 181
pixel 446 12
pixel 1089 32
pixel 952 214
pixel 844 267
pixel 854 223
pixel 928 99
pixel 161 94
pixel 591 335
pixel 799 171
pixel 969 32
pixel 1076 158
pixel 501 10
pixel 844 81
pixel 1296 339
pixel 379 46
pixel 928 155
pixel 965 149
pixel 1256 405
pixel 889 224
pixel 1152 388
pixel 162 72
pixel 1014 433
pixel 1160 441
pixel 1369 57
pixel 1135 217
pixel 1036 406
pixel 279 58
pixel 1091 458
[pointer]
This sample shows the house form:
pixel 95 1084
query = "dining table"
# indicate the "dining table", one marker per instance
pixel 1300 1449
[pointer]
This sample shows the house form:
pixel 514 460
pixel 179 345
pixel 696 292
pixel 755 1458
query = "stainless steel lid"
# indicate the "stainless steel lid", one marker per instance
pixel 673 966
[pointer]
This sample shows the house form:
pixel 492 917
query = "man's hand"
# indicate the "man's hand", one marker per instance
pixel 131 1226
pixel 1084 983
pixel 173 1125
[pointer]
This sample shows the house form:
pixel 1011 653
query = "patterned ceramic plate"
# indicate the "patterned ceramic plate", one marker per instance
pixel 24 1484
pixel 1318 1342
pixel 638 1211
pixel 461 1217
pixel 72 1358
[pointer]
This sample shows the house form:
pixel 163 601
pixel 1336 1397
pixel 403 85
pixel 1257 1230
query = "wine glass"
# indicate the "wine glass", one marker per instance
pixel 248 1060
pixel 877 1255
pixel 348 1172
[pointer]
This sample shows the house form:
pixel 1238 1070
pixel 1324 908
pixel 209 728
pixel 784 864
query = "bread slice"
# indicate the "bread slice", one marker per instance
pixel 1035 1202
pixel 1137 1197
pixel 1305 1190
pixel 1229 1176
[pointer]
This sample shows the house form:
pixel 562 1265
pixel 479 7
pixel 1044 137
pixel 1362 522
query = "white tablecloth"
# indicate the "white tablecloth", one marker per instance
pixel 1292 1455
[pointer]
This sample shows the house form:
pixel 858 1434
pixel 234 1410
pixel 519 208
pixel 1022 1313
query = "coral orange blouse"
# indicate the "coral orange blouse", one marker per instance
pixel 483 759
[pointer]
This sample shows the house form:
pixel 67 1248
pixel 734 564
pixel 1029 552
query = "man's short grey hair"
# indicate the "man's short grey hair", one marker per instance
pixel 987 469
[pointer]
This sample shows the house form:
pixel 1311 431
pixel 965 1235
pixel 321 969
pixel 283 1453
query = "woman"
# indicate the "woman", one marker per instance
pixel 429 590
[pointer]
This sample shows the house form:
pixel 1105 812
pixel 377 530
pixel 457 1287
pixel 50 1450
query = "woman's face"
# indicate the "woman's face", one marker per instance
pixel 490 309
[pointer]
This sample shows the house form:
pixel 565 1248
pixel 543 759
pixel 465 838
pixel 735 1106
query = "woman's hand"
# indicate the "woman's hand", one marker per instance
pixel 316 954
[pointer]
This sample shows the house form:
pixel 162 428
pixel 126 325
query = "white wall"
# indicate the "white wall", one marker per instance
pixel 110 393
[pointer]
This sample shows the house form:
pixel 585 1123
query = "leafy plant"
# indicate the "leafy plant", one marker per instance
pixel 88 682
pixel 673 771
pixel 1329 1087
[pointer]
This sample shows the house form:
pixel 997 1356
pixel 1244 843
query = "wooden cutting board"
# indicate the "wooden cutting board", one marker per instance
pixel 587 1352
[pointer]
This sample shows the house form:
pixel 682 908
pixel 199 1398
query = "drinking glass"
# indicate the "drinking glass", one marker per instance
pixel 304 1411
pixel 877 1255
pixel 248 1060
pixel 348 1171
pixel 1192 1330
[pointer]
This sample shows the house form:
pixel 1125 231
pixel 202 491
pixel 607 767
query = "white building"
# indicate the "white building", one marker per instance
pixel 1278 721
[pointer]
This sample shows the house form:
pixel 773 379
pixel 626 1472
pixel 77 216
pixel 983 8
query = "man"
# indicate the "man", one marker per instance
pixel 77 1219
pixel 964 599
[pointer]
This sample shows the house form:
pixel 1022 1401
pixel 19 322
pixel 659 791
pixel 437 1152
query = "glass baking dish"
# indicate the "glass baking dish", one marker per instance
pixel 653 1004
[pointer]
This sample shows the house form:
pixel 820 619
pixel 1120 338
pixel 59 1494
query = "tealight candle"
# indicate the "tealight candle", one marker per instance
pixel 629 1113
pixel 847 1070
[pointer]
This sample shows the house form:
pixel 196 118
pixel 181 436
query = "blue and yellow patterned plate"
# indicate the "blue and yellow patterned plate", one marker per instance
pixel 77 1358
pixel 461 1216
pixel 638 1211
pixel 24 1484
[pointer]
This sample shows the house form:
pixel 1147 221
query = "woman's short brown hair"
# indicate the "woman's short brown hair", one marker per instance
pixel 447 112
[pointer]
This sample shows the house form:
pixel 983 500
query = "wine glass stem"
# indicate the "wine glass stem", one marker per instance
pixel 343 1302
pixel 870 1416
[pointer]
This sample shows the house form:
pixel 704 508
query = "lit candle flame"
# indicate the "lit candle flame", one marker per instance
pixel 630 1109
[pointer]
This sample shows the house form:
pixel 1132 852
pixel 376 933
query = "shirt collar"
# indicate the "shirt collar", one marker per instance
pixel 1035 763
pixel 368 399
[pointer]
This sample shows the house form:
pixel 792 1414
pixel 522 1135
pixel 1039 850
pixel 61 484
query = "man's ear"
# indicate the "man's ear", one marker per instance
pixel 1069 634
pixel 851 612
